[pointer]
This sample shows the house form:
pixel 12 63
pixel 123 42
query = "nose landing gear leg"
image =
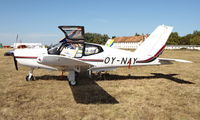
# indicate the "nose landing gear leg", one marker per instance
pixel 30 76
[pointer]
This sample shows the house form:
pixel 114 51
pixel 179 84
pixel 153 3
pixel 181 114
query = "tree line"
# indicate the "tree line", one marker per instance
pixel 174 38
pixel 189 39
pixel 96 38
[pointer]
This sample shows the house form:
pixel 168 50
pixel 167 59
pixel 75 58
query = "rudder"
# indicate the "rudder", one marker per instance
pixel 153 46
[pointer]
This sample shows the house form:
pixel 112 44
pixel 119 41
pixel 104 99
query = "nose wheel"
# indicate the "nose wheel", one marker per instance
pixel 30 76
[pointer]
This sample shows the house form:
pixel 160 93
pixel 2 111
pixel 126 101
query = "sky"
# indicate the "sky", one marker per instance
pixel 38 20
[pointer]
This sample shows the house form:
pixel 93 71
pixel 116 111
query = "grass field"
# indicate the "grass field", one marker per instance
pixel 168 92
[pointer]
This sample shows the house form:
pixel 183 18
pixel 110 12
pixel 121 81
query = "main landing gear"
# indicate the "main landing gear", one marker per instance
pixel 102 75
pixel 72 75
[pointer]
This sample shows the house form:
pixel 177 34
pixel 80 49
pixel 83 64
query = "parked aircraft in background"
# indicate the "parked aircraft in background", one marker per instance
pixel 72 53
pixel 21 45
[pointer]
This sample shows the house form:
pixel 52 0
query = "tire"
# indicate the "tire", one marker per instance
pixel 31 78
pixel 72 83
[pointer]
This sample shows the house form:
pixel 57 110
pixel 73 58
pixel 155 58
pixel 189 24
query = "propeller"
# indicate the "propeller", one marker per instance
pixel 14 58
pixel 15 62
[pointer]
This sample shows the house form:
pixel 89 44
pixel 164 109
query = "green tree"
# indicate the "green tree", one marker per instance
pixel 191 39
pixel 96 38
pixel 195 40
pixel 185 40
pixel 174 39
pixel 196 33
pixel 136 34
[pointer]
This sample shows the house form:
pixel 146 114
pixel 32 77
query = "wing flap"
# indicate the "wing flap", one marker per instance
pixel 101 69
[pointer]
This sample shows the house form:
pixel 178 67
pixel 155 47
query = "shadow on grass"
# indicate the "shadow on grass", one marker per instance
pixel 89 92
pixel 108 77
pixel 172 78
pixel 51 77
pixel 156 76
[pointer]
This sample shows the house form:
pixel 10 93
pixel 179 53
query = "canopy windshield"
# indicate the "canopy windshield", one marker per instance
pixel 73 32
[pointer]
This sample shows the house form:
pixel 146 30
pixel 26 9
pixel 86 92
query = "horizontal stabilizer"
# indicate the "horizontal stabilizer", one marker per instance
pixel 162 60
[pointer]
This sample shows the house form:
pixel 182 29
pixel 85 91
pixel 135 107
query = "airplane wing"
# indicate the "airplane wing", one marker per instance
pixel 102 69
pixel 60 61
pixel 168 60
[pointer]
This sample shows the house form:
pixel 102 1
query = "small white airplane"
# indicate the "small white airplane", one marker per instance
pixel 72 54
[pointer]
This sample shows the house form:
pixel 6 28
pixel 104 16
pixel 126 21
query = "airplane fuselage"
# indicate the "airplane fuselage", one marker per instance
pixel 110 57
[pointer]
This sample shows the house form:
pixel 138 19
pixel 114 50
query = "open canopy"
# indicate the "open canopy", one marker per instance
pixel 75 33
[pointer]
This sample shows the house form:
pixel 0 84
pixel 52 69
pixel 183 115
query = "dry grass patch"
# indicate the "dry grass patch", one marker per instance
pixel 153 92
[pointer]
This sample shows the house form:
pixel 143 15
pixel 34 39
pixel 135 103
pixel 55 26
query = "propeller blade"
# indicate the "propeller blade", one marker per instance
pixel 15 62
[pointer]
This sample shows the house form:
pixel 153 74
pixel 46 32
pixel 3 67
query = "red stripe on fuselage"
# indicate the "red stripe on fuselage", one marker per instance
pixel 26 57
pixel 89 60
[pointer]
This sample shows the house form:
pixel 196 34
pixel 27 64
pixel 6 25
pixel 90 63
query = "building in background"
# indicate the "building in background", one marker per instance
pixel 133 42
pixel 130 42
pixel 177 47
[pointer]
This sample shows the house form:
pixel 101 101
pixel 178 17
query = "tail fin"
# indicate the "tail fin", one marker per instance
pixel 154 45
